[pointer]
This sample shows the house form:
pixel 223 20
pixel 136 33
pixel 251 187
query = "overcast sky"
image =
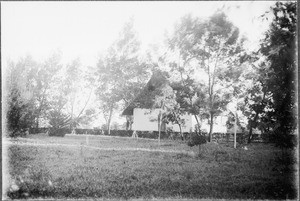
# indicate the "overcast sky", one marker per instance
pixel 85 29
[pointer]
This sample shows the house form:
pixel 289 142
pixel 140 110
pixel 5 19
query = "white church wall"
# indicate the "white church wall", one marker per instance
pixel 146 120
pixel 219 124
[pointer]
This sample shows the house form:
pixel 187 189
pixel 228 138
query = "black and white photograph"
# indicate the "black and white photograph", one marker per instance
pixel 149 100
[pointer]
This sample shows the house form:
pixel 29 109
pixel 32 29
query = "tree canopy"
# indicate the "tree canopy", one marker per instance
pixel 279 47
pixel 213 49
pixel 120 73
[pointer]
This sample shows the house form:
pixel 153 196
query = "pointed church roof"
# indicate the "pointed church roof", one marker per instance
pixel 146 98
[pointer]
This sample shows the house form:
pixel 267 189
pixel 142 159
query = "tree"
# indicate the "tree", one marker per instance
pixel 189 99
pixel 279 46
pixel 196 139
pixel 165 103
pixel 213 46
pixel 59 122
pixel 20 114
pixel 174 115
pixel 120 73
pixel 87 116
pixel 78 84
pixel 257 98
pixel 44 76
pixel 72 80
pixel 19 96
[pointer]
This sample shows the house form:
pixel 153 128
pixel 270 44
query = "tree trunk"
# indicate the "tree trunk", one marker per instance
pixel 86 102
pixel 250 133
pixel 72 110
pixel 159 126
pixel 211 127
pixel 130 125
pixel 109 120
pixel 38 114
pixel 251 127
pixel 181 134
pixel 127 124
pixel 37 121
pixel 41 105
pixel 198 123
pixel 235 127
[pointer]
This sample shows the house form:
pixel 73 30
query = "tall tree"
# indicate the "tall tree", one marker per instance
pixel 279 46
pixel 44 77
pixel 80 86
pixel 120 73
pixel 165 102
pixel 256 97
pixel 19 95
pixel 58 98
pixel 213 46
pixel 191 99
pixel 72 79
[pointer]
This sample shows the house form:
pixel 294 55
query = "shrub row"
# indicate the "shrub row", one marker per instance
pixel 60 132
pixel 38 130
pixel 241 137
pixel 146 134
pixel 67 130
pixel 121 133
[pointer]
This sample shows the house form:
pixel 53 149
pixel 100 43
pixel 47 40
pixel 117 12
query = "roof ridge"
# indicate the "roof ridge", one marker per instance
pixel 155 82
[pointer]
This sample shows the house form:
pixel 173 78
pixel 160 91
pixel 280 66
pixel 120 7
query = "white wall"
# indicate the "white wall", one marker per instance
pixel 142 120
pixel 146 120
pixel 219 124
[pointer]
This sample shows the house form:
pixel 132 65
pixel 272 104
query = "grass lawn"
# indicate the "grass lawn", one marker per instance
pixel 168 170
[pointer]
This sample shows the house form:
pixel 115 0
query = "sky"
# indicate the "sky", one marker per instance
pixel 86 29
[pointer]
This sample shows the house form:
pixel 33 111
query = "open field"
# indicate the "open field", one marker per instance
pixel 125 168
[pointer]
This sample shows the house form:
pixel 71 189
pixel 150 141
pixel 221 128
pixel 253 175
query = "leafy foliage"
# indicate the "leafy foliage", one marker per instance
pixel 44 78
pixel 79 86
pixel 19 96
pixel 196 139
pixel 213 49
pixel 120 73
pixel 58 119
pixel 20 114
pixel 59 123
pixel 279 46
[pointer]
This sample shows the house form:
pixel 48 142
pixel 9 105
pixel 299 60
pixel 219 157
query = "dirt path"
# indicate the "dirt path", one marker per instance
pixel 40 143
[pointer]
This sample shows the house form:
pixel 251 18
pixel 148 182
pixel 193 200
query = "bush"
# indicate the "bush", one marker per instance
pixel 121 133
pixel 284 140
pixel 20 113
pixel 196 139
pixel 59 132
pixel 38 130
pixel 144 134
pixel 241 138
pixel 59 122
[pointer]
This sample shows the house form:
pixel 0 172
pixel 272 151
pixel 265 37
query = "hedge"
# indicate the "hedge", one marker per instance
pixel 241 137
pixel 121 133
pixel 59 132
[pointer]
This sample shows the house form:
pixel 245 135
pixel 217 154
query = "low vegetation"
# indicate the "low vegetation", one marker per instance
pixel 219 171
